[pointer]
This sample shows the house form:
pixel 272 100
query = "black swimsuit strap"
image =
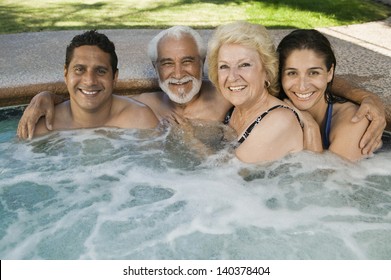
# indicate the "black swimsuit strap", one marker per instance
pixel 258 120
pixel 228 115
pixel 327 128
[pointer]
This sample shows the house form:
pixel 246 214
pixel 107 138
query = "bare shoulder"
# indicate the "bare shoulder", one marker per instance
pixel 345 135
pixel 283 117
pixel 343 112
pixel 282 126
pixel 125 101
pixel 131 113
pixel 40 128
pixel 62 120
pixel 277 135
pixel 148 97
pixel 158 101
pixel 341 121
pixel 346 109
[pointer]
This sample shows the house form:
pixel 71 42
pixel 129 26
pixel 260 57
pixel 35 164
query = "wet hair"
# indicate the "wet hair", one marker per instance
pixel 308 39
pixel 176 32
pixel 92 38
pixel 254 36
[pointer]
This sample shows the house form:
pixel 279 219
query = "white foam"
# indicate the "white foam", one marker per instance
pixel 117 194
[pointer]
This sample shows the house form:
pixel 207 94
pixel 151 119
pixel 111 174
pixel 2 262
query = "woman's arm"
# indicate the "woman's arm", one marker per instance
pixel 371 108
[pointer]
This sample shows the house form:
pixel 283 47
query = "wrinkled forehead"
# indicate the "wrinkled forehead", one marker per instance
pixel 171 47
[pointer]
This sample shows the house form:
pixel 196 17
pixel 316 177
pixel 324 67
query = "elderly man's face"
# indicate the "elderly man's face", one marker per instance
pixel 179 68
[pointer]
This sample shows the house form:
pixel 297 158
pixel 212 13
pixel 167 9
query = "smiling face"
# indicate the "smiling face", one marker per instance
pixel 304 79
pixel 241 75
pixel 89 78
pixel 179 68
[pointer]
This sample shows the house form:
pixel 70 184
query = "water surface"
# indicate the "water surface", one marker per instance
pixel 126 194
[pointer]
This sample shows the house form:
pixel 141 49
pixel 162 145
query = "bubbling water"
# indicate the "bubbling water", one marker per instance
pixel 126 194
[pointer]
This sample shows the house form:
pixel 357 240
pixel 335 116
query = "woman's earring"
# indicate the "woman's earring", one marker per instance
pixel 267 84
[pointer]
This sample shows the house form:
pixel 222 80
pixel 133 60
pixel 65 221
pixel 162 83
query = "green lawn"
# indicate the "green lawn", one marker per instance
pixel 38 15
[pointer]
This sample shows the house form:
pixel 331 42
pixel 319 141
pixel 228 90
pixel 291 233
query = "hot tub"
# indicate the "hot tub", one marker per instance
pixel 122 194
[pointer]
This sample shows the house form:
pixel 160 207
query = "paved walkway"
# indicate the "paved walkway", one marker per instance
pixel 364 56
pixel 30 62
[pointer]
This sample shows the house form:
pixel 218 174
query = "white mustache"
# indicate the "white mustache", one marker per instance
pixel 180 81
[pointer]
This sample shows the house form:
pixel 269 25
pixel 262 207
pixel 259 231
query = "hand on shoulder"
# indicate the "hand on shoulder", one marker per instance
pixel 345 136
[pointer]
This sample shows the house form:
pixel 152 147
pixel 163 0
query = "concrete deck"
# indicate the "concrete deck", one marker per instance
pixel 32 62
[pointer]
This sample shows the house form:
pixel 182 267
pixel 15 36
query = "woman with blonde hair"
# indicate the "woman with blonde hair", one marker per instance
pixel 243 65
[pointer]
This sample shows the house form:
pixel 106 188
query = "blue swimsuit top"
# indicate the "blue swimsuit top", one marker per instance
pixel 327 127
pixel 258 120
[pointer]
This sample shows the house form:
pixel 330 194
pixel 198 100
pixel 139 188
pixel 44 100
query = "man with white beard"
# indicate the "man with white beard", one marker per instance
pixel 178 55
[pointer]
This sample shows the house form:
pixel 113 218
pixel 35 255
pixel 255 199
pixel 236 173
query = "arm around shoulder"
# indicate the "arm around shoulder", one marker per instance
pixel 371 107
pixel 41 104
pixel 343 88
pixel 345 136
pixel 148 119
pixel 40 128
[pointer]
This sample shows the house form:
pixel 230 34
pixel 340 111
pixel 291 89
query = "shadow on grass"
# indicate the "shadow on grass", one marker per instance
pixel 23 19
pixel 59 16
pixel 343 10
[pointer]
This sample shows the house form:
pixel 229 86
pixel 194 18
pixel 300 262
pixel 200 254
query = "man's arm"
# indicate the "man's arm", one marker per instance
pixel 42 104
pixel 371 107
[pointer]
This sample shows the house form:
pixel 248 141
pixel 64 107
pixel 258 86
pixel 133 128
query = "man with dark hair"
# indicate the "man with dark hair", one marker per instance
pixel 178 54
pixel 92 38
pixel 90 73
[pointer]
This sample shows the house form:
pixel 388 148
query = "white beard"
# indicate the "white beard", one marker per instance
pixel 181 97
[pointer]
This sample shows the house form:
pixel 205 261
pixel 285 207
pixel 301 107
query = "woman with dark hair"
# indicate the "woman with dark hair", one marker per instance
pixel 307 66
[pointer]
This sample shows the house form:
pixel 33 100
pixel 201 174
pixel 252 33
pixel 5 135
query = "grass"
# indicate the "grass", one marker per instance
pixel 41 15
